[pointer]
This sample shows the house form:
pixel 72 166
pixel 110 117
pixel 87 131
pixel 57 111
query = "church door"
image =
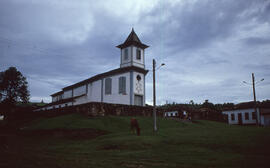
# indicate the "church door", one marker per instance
pixel 138 100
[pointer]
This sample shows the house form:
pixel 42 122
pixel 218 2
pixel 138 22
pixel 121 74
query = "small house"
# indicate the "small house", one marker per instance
pixel 171 114
pixel 244 114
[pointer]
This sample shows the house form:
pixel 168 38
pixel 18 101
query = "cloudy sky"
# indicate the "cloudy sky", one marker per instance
pixel 209 47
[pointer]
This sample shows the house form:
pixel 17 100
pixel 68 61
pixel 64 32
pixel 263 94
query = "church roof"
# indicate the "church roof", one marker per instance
pixel 57 93
pixel 132 39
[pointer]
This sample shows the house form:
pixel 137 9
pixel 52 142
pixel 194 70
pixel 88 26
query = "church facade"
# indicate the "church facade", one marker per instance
pixel 124 85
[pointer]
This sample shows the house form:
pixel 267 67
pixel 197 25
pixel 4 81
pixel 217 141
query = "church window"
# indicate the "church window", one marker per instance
pixel 126 54
pixel 138 55
pixel 108 86
pixel 122 85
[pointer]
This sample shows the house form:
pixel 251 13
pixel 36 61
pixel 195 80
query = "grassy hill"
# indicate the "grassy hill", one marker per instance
pixel 177 144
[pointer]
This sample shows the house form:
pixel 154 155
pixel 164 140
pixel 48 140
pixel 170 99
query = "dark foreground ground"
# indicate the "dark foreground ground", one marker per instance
pixel 76 141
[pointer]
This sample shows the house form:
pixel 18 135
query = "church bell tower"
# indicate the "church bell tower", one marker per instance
pixel 132 51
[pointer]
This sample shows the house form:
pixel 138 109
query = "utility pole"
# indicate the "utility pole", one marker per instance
pixel 257 113
pixel 255 102
pixel 154 95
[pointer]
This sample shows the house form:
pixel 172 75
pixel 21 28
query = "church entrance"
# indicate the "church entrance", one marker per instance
pixel 138 100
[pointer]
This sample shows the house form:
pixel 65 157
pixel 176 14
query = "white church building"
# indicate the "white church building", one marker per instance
pixel 124 85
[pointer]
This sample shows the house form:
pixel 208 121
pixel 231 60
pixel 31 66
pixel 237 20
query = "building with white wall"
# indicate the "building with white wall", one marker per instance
pixel 244 114
pixel 124 85
pixel 170 114
pixel 241 116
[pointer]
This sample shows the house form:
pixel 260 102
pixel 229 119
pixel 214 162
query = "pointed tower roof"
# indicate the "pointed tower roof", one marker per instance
pixel 132 39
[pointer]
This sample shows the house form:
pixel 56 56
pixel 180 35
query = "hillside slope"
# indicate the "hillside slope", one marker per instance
pixel 176 144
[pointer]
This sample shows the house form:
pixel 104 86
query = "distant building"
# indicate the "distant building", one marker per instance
pixel 124 85
pixel 171 114
pixel 244 114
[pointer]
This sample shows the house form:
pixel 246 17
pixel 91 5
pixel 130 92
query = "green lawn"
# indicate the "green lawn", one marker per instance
pixel 177 144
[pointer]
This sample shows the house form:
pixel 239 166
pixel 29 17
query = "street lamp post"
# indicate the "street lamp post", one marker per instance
pixel 154 93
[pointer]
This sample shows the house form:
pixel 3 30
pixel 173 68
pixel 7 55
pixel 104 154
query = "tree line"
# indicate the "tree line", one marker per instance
pixel 195 106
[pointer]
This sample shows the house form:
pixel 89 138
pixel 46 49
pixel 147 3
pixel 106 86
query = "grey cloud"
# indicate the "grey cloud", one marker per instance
pixel 197 24
pixel 262 69
pixel 195 40
pixel 251 41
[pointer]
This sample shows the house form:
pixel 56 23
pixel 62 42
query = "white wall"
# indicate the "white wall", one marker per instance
pixel 115 97
pixel 242 111
pixel 79 91
pixel 93 94
pixel 67 94
pixel 126 65
pixel 60 97
pixel 94 91
pixel 54 98
pixel 81 100
pixel 57 97
pixel 96 94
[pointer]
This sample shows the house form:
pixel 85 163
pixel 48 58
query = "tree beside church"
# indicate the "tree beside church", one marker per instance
pixel 13 86
pixel 13 89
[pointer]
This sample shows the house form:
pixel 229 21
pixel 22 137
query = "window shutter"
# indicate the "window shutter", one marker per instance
pixel 108 86
pixel 120 85
pixel 126 54
pixel 124 85
pixel 138 54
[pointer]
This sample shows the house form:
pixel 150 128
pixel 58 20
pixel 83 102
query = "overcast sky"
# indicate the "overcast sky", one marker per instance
pixel 209 47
